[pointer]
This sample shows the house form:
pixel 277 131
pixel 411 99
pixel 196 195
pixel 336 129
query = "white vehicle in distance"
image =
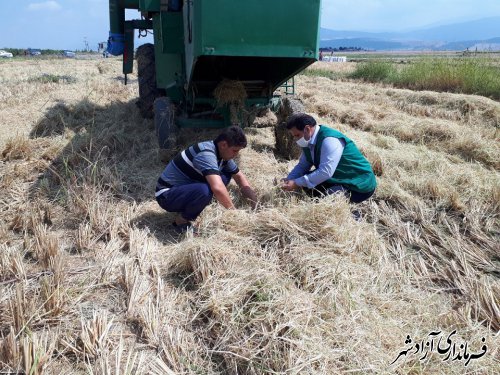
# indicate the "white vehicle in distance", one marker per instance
pixel 33 52
pixel 5 54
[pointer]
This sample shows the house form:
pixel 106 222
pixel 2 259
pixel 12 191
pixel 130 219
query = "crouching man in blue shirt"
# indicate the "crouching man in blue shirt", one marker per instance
pixel 339 166
pixel 200 172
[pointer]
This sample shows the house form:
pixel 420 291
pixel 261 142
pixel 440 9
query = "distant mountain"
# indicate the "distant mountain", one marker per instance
pixel 481 45
pixel 326 34
pixel 365 43
pixel 485 28
pixel 456 36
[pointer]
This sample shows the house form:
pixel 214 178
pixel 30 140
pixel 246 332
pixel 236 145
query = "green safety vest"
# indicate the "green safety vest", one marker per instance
pixel 353 171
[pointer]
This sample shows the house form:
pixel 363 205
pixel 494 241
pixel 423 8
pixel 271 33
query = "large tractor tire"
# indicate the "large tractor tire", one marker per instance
pixel 146 71
pixel 166 130
pixel 285 145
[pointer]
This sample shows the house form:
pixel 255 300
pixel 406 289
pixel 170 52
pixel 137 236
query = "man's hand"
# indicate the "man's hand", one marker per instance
pixel 246 189
pixel 249 194
pixel 289 185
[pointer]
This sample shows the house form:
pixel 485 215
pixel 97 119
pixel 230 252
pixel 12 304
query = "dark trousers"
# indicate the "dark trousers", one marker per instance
pixel 189 200
pixel 354 197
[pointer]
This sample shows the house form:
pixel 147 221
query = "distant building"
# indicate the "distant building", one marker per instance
pixel 335 58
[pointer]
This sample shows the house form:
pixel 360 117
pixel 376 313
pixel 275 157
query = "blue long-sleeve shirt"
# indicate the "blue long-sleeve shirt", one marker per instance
pixel 331 152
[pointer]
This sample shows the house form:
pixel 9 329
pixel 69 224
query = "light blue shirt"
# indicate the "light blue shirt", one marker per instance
pixel 331 152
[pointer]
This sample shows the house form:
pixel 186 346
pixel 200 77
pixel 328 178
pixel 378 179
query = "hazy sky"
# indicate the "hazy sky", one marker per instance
pixel 66 24
pixel 401 15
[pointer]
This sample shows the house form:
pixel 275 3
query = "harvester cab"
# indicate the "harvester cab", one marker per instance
pixel 213 63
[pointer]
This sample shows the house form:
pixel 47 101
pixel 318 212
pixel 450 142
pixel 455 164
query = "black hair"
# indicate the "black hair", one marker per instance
pixel 234 137
pixel 300 121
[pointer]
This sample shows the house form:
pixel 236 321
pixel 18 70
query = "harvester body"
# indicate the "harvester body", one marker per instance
pixel 200 43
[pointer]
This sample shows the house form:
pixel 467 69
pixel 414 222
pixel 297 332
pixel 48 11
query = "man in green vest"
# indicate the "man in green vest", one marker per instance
pixel 339 167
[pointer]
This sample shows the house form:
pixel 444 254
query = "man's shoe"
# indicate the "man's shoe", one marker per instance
pixel 356 214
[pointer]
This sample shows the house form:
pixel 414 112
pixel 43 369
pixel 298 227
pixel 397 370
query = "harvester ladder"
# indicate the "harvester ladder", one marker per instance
pixel 289 86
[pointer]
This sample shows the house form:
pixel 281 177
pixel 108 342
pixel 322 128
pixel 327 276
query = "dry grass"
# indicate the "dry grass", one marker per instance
pixel 92 281
pixel 233 94
pixel 30 355
pixel 339 69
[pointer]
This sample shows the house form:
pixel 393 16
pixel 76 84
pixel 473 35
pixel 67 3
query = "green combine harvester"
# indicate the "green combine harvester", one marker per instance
pixel 214 62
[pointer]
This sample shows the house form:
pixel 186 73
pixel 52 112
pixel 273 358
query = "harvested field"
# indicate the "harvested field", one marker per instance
pixel 93 282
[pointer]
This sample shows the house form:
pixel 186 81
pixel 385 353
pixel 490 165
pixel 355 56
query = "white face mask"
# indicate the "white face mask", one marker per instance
pixel 302 142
